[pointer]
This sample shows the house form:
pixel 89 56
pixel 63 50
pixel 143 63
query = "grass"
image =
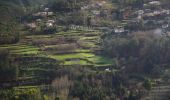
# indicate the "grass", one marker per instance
pixel 20 49
pixel 88 44
pixel 76 62
pixel 75 56
pixel 27 52
pixel 25 87
pixel 71 56
pixel 12 45
pixel 16 46
pixel 75 33
pixel 83 59
pixel 90 38
pixel 58 49
pixel 100 60
pixel 24 49
pixel 83 50
pixel 38 36
pixel 81 56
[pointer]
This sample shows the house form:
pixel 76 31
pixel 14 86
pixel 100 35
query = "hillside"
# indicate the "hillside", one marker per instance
pixel 10 14
pixel 84 49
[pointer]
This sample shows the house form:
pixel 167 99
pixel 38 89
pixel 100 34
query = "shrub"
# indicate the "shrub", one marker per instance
pixel 8 69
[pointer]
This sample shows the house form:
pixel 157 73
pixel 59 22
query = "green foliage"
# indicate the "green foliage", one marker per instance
pixel 65 5
pixel 20 49
pixel 7 94
pixel 98 86
pixel 135 3
pixel 85 91
pixel 140 53
pixel 8 69
pixel 21 93
pixel 45 97
pixel 57 98
pixel 148 84
pixel 10 16
pixel 8 25
pixel 27 94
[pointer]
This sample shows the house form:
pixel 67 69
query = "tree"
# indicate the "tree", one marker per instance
pixel 9 32
pixel 147 84
pixel 8 69
pixel 62 86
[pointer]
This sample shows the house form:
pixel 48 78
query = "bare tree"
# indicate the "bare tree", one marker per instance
pixel 62 86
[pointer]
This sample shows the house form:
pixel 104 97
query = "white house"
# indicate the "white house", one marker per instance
pixel 50 13
pixel 46 9
pixel 31 26
pixel 119 30
pixel 51 21
pixel 49 24
pixel 157 3
pixel 107 70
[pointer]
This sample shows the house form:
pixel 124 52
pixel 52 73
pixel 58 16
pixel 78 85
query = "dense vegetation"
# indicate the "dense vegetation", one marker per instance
pixel 146 51
pixel 8 26
pixel 8 68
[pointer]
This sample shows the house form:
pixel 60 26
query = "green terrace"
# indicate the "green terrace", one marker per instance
pixel 82 59
pixel 21 49
pixel 74 47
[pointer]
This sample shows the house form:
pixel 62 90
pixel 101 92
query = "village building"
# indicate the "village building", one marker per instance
pixel 31 26
pixel 107 70
pixel 43 14
pixel 50 13
pixel 49 25
pixel 156 3
pixel 46 9
pixel 51 21
pixel 38 20
pixel 120 30
pixel 40 14
pixel 95 12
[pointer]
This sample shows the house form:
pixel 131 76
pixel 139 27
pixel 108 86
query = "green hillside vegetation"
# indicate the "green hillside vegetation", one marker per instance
pixel 84 50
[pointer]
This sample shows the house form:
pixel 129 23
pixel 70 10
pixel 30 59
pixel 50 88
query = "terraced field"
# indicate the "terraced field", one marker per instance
pixel 40 56
pixel 74 47
pixel 21 49
pixel 160 92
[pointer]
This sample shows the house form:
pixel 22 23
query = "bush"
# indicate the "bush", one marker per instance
pixel 27 94
pixel 147 84
pixel 8 69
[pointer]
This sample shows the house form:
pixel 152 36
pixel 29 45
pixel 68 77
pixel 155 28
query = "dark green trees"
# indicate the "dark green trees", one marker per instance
pixel 9 32
pixel 140 52
pixel 8 68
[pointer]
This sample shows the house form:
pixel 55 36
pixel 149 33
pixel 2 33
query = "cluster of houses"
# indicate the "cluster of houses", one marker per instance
pixel 41 19
pixel 46 12
pixel 97 9
pixel 151 16
pixel 77 27
pixel 150 9
pixel 93 5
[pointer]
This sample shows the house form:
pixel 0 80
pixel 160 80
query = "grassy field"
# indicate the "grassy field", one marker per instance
pixel 20 49
pixel 68 48
pixel 74 47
